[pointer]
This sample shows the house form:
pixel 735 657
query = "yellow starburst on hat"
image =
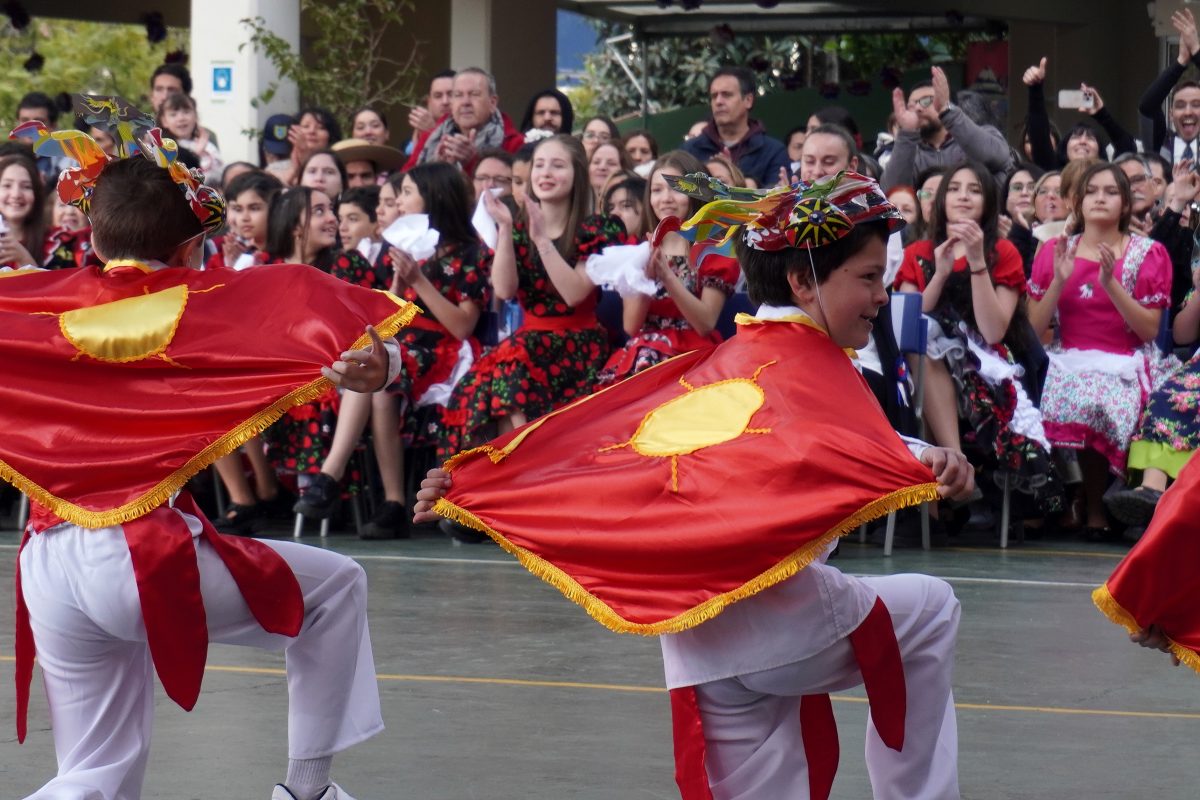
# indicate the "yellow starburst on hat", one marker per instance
pixel 702 417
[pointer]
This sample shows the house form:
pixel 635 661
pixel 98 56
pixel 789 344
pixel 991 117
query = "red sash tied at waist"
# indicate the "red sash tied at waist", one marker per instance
pixel 579 319
pixel 168 582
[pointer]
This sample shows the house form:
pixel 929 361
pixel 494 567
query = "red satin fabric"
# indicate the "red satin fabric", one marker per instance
pixel 818 730
pixel 878 656
pixel 609 520
pixel 164 566
pixel 101 434
pixel 691 774
pixel 1158 582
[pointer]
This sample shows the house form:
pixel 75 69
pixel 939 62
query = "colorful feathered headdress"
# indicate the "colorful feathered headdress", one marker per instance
pixel 803 215
pixel 133 133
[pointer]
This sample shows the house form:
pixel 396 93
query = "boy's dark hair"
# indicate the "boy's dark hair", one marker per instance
pixel 919 85
pixel 177 70
pixel 263 184
pixel 767 272
pixel 365 197
pixel 137 211
pixel 745 78
pixel 40 100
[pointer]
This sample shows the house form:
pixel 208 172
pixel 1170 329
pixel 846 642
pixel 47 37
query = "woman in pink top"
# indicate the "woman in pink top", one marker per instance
pixel 1109 289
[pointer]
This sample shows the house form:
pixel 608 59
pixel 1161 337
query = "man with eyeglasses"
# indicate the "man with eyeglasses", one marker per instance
pixel 935 133
pixel 494 171
pixel 1182 141
pixel 731 131
pixel 475 123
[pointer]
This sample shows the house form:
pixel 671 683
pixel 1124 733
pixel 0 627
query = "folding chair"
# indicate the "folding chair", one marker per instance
pixel 738 303
pixel 911 329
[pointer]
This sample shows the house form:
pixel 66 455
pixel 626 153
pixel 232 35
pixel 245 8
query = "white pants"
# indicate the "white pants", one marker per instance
pixel 752 721
pixel 91 644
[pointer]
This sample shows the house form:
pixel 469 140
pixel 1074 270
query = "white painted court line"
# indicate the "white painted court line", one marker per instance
pixel 496 562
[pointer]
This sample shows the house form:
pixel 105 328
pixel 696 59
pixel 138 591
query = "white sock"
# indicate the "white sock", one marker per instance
pixel 307 778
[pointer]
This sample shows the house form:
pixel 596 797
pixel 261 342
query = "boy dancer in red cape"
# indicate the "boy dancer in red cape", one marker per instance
pixel 700 499
pixel 121 384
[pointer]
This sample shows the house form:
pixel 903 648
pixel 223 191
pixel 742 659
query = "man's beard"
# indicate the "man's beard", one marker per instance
pixel 929 129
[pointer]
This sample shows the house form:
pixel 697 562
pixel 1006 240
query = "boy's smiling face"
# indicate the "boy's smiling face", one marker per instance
pixel 850 298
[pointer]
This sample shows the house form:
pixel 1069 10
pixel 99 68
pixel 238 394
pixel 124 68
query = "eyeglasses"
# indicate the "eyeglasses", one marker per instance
pixel 603 136
pixel 1021 187
pixel 1136 179
pixel 1047 190
pixel 922 102
pixel 924 194
pixel 495 180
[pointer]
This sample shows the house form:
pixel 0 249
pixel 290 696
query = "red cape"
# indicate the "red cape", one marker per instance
pixel 1158 582
pixel 121 385
pixel 656 503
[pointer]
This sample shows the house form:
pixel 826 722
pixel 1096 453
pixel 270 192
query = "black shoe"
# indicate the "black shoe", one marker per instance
pixel 461 534
pixel 241 520
pixel 282 506
pixel 320 498
pixel 1134 507
pixel 1101 535
pixel 389 522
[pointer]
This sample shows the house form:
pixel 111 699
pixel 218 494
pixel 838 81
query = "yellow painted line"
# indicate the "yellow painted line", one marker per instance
pixel 617 687
pixel 629 688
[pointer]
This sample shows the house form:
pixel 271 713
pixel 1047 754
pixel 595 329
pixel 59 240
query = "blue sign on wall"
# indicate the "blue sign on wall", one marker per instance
pixel 222 79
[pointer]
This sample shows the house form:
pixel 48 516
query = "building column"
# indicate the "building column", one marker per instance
pixel 226 79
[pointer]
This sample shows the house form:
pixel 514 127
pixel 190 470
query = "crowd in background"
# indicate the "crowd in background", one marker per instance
pixel 1056 277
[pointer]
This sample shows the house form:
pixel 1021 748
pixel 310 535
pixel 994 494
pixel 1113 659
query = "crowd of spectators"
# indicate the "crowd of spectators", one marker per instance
pixel 1057 278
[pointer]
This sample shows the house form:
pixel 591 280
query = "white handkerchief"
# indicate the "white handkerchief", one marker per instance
pixel 622 268
pixel 484 224
pixel 412 234
pixel 244 261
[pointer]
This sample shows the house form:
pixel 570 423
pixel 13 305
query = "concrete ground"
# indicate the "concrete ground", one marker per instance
pixel 496 687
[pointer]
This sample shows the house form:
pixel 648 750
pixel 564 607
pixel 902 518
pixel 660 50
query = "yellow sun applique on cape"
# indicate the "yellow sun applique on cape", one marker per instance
pixel 702 417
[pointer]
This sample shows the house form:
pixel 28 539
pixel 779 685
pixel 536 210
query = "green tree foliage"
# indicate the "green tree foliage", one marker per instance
pixel 348 63
pixel 678 68
pixel 89 57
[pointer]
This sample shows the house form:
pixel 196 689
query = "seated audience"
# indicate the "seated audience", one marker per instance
pixel 475 122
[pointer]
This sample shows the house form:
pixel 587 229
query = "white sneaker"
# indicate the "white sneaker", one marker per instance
pixel 334 792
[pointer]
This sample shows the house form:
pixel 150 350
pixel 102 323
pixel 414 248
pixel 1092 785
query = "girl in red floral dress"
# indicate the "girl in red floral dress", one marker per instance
pixel 303 229
pixel 557 353
pixel 451 289
pixel 682 315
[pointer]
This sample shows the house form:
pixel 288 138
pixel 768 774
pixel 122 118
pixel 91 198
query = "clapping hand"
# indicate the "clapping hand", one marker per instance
pixel 906 117
pixel 943 257
pixel 497 209
pixel 1108 258
pixel 405 269
pixel 1189 39
pixel 971 235
pixel 1064 259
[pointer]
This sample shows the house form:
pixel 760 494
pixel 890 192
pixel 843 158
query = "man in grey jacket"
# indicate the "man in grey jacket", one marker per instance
pixel 936 133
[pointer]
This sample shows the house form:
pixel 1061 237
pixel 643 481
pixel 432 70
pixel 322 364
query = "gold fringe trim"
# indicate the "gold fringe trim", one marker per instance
pixel 1110 608
pixel 786 568
pixel 223 446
